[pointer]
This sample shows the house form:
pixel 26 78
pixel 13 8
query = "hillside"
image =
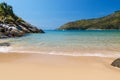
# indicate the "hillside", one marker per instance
pixel 111 21
pixel 13 26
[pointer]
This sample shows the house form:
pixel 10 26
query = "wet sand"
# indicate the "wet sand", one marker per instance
pixel 15 66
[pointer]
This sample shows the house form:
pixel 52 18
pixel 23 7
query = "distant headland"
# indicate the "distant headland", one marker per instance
pixel 13 26
pixel 109 22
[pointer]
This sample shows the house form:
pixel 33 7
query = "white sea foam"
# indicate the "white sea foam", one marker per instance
pixel 5 49
pixel 86 54
pixel 57 53
pixel 75 54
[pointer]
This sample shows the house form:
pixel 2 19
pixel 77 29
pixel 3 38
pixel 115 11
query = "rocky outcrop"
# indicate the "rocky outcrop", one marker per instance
pixel 12 25
pixel 13 30
pixel 116 63
pixel 5 44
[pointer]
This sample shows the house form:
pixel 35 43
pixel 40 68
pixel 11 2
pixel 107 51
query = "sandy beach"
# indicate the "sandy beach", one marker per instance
pixel 15 66
pixel 59 40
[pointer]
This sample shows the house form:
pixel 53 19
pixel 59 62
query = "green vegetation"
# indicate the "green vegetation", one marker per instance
pixel 7 15
pixel 111 21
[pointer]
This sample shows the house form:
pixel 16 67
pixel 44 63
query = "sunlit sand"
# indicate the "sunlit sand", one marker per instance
pixel 48 67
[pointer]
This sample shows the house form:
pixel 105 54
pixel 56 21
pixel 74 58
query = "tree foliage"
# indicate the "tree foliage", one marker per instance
pixel 111 21
pixel 6 13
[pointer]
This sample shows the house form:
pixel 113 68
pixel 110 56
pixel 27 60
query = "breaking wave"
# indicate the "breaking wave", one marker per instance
pixel 74 54
pixel 10 49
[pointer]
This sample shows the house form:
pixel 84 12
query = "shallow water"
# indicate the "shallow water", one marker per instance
pixel 74 43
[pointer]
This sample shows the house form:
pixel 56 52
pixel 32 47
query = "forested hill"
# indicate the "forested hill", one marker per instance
pixel 111 21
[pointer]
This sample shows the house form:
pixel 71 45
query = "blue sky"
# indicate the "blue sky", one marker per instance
pixel 50 14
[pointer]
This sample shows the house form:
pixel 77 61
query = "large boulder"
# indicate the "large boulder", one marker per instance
pixel 116 63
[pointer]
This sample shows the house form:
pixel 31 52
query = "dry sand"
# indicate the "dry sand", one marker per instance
pixel 48 67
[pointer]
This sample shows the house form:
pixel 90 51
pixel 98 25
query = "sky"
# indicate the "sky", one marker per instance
pixel 51 14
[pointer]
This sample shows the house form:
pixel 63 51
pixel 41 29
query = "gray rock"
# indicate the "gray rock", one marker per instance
pixel 17 30
pixel 3 36
pixel 5 44
pixel 41 31
pixel 116 63
pixel 35 30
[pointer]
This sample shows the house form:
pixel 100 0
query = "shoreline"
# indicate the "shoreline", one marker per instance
pixel 14 66
pixel 86 29
pixel 70 53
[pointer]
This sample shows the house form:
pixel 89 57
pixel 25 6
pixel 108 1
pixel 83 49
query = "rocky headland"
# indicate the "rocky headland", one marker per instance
pixel 13 26
pixel 108 22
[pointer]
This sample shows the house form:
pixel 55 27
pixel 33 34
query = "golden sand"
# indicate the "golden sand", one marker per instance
pixel 48 67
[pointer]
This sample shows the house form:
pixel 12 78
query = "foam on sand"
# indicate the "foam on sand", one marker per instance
pixel 74 54
pixel 5 49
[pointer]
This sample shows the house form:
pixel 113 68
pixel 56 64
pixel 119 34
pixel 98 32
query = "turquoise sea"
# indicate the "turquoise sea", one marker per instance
pixel 102 43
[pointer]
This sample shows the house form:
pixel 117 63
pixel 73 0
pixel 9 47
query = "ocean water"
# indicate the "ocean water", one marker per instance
pixel 102 43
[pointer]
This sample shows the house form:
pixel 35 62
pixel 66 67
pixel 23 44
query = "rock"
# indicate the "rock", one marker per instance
pixel 41 31
pixel 15 33
pixel 24 29
pixel 3 36
pixel 12 30
pixel 35 30
pixel 116 63
pixel 5 44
